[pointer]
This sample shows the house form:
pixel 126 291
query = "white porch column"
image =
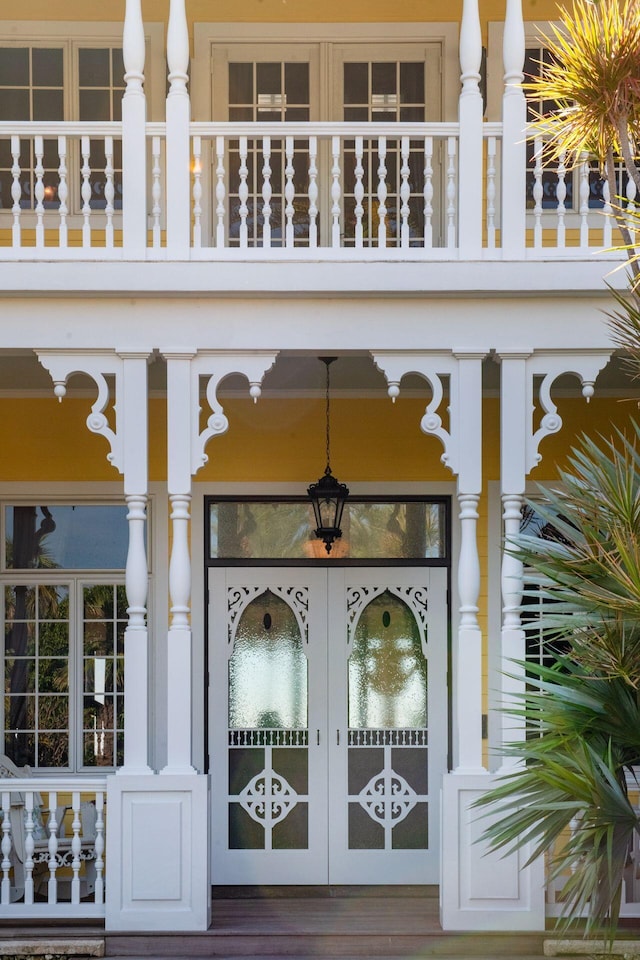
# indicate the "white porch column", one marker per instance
pixel 470 191
pixel 186 454
pixel 462 443
pixel 134 119
pixel 128 453
pixel 519 454
pixel 178 141
pixel 514 119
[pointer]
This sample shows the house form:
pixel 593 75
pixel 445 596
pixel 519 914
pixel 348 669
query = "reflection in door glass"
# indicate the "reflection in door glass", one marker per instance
pixel 268 668
pixel 387 668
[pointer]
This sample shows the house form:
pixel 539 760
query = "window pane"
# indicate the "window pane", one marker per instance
pixel 370 530
pixel 81 537
pixel 412 83
pixel 14 67
pixel 356 83
pixel 95 105
pixel 117 67
pixel 268 78
pixel 47 67
pixel 14 105
pixel 93 68
pixel 383 78
pixel 241 83
pixel 296 82
pixel 48 105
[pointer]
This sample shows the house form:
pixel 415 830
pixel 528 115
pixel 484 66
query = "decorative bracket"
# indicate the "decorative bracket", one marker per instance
pixel 218 364
pixel 431 367
pixel 97 364
pixel 585 365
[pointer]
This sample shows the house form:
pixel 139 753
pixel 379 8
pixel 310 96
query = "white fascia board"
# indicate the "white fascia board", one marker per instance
pixel 309 326
pixel 377 275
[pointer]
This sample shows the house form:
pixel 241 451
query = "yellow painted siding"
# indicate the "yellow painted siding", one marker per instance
pixel 276 11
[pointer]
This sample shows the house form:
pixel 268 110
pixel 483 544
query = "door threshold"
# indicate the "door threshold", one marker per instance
pixel 300 891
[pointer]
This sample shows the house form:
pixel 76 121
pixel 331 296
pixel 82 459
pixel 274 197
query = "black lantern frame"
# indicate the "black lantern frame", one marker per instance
pixel 328 495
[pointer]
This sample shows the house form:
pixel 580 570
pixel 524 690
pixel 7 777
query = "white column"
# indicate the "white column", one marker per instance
pixel 179 418
pixel 515 425
pixel 470 162
pixel 466 415
pixel 134 118
pixel 128 454
pixel 463 455
pixel 514 119
pixel 136 640
pixel 178 121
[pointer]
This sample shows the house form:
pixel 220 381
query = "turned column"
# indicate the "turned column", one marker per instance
pixel 134 119
pixel 178 142
pixel 514 121
pixel 470 109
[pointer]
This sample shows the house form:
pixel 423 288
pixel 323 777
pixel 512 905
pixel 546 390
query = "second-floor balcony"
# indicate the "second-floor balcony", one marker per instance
pixel 310 190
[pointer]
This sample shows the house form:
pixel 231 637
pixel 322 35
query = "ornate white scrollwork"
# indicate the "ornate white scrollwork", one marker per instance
pixel 416 598
pixel 296 598
pixel 268 798
pixel 216 365
pixel 97 365
pixel 388 798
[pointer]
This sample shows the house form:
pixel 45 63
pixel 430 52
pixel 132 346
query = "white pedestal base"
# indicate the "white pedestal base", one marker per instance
pixel 480 890
pixel 157 875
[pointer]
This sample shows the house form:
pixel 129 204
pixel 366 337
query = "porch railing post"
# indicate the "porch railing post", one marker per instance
pixel 470 164
pixel 178 120
pixel 134 119
pixel 514 121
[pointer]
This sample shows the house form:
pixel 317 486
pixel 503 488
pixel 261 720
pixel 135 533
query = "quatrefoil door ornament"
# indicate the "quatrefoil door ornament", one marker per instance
pixel 268 798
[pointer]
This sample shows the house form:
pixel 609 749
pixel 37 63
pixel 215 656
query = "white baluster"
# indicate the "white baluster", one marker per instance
pixel 491 192
pixel 76 846
pixel 38 149
pixel 405 192
pixel 313 192
pixel 561 194
pixel 52 846
pixel 584 202
pixel 428 193
pixel 382 191
pixel 266 192
pixel 180 562
pixel 607 211
pixel 537 193
pixel 336 192
pixel 29 846
pixel 197 192
pixel 135 638
pixel 109 190
pixel 359 190
pixel 289 190
pixel 99 848
pixel 243 191
pixel 470 754
pixel 451 192
pixel 16 191
pixel 5 847
pixel 63 192
pixel 156 192
pixel 221 191
pixel 86 193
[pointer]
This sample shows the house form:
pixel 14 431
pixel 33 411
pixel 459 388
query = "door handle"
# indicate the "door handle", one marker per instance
pixel 338 737
pixel 318 737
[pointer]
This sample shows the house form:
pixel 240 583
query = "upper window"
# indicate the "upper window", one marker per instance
pixel 54 83
pixel 372 530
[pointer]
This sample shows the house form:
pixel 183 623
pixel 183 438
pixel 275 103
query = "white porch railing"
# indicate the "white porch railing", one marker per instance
pixel 53 842
pixel 311 190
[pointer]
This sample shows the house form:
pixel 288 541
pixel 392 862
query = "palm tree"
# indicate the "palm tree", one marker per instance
pixel 582 713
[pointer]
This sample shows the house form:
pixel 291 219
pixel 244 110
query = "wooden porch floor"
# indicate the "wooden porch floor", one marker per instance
pixel 384 924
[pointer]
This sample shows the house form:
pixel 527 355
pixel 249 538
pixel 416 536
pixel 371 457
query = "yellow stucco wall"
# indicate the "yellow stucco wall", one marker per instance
pixel 275 11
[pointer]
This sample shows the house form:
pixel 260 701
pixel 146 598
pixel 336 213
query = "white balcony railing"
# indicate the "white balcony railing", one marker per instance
pixel 303 190
pixel 53 842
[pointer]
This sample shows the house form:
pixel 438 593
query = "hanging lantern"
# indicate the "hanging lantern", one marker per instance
pixel 328 495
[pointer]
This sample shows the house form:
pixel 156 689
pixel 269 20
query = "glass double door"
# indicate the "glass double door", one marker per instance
pixel 328 724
